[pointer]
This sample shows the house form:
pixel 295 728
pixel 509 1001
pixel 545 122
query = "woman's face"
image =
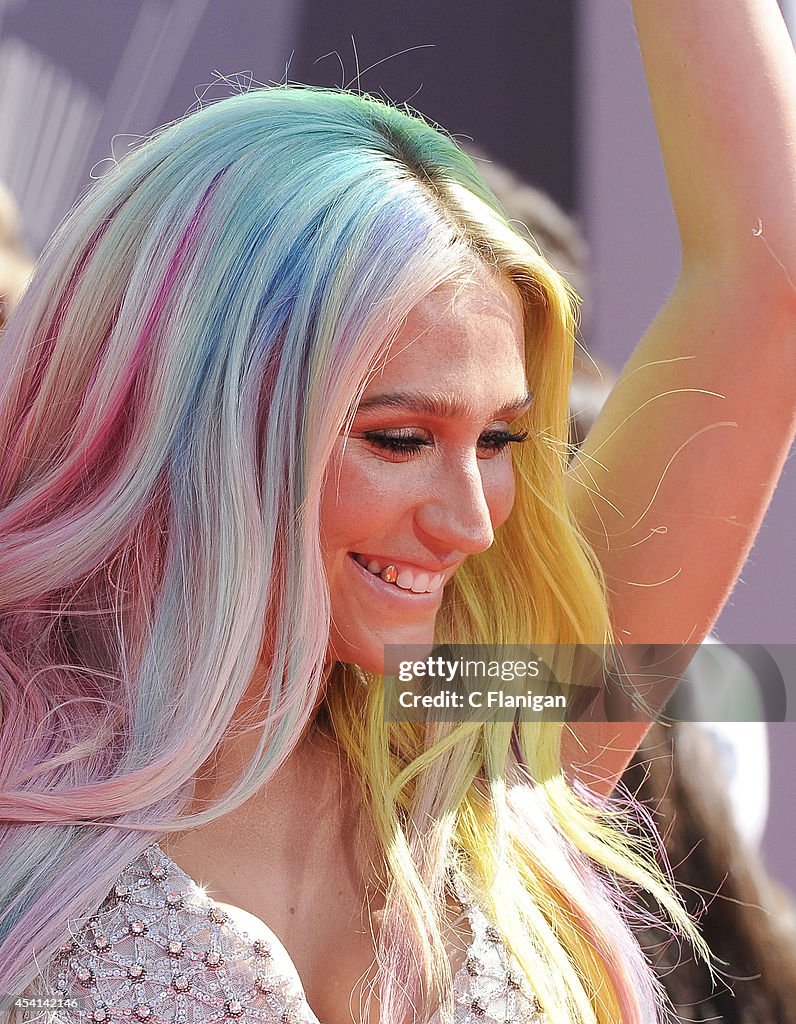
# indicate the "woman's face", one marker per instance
pixel 424 477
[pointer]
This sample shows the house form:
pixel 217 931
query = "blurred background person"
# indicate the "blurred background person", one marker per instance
pixel 16 265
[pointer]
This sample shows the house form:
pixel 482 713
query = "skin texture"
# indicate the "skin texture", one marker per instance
pixel 437 506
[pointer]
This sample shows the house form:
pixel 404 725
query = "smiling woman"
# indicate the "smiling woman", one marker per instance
pixel 265 463
pixel 266 410
pixel 439 403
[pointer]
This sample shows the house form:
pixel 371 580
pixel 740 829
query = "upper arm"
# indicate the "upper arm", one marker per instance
pixel 673 481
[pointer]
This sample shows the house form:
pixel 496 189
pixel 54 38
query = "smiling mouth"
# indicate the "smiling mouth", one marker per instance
pixel 408 580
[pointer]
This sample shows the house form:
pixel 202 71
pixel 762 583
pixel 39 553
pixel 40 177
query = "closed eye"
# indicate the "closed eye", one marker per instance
pixel 497 440
pixel 408 444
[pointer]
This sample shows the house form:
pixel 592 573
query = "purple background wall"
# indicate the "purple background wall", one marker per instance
pixel 553 88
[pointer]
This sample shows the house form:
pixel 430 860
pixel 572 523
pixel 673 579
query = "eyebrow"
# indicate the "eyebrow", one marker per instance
pixel 438 405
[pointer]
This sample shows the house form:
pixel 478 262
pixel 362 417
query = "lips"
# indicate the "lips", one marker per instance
pixel 391 595
pixel 401 574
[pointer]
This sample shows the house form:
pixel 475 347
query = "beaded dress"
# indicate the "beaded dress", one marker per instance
pixel 160 951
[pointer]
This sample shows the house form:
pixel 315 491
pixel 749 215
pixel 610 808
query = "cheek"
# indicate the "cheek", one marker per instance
pixel 360 499
pixel 499 489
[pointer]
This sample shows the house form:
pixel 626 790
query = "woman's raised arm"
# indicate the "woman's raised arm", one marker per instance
pixel 674 479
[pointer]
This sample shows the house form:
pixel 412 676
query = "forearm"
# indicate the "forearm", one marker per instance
pixel 722 79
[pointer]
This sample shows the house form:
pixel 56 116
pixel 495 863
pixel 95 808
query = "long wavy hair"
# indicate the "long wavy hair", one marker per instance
pixel 194 339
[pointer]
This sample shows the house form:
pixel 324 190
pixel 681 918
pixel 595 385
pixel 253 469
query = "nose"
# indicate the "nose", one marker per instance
pixel 458 514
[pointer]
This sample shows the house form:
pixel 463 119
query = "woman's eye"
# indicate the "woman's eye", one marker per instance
pixel 398 442
pixel 496 440
pixel 408 444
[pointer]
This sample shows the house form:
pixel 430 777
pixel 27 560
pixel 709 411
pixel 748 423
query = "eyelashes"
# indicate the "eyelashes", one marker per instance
pixel 408 444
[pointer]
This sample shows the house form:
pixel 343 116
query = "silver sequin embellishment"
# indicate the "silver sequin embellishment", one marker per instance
pixel 159 951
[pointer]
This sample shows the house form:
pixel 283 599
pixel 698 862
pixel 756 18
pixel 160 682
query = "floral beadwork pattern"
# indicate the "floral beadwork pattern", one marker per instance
pixel 160 951
pixel 490 987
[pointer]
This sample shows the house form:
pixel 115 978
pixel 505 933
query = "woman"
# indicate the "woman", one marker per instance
pixel 250 376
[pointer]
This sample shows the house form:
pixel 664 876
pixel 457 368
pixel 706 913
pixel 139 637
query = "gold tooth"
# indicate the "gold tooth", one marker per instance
pixel 390 574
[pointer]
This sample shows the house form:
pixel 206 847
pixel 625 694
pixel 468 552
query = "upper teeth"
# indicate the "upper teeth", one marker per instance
pixel 407 579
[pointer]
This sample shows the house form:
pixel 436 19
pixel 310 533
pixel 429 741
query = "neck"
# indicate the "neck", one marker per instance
pixel 312 794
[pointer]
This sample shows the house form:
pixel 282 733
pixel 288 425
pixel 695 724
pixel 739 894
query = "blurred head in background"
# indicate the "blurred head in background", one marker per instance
pixel 15 262
pixel 542 221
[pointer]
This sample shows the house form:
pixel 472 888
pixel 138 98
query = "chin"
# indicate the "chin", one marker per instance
pixel 368 652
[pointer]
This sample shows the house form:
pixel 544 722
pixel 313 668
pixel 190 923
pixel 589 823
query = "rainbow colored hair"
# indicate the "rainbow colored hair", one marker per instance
pixel 193 341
